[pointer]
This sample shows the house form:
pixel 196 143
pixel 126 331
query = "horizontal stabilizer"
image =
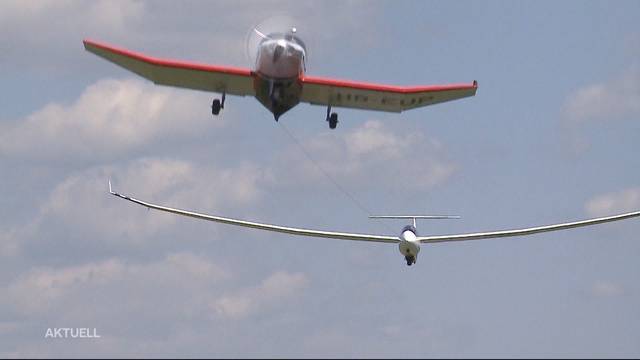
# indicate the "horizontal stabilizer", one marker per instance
pixel 414 217
pixel 430 217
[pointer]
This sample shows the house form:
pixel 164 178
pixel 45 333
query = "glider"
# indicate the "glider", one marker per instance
pixel 408 241
pixel 279 81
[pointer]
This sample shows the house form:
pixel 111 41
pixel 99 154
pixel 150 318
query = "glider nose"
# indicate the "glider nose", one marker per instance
pixel 409 244
pixel 408 235
pixel 409 249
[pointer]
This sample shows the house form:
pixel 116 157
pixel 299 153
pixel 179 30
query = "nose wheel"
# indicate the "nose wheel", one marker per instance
pixel 217 105
pixel 332 118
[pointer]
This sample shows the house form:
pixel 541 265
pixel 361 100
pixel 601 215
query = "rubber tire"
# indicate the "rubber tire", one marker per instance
pixel 333 121
pixel 215 107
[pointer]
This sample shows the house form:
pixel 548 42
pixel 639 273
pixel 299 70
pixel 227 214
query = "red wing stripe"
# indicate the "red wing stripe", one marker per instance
pixel 387 88
pixel 169 62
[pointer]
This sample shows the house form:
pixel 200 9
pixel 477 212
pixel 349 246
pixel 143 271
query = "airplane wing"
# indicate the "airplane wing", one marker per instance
pixel 230 80
pixel 261 226
pixel 527 231
pixel 351 94
pixel 378 238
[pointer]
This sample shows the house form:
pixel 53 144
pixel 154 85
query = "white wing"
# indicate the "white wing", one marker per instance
pixel 527 231
pixel 359 95
pixel 261 226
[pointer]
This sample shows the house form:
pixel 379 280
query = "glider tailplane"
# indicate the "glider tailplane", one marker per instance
pixel 415 217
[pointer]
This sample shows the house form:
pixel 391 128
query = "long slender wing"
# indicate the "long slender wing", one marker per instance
pixel 527 231
pixel 231 80
pixel 261 226
pixel 351 94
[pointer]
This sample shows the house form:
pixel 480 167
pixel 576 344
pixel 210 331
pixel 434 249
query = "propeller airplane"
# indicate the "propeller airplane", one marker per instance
pixel 279 81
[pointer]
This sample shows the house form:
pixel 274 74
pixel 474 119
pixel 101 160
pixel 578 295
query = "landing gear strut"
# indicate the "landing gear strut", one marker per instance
pixel 332 118
pixel 217 105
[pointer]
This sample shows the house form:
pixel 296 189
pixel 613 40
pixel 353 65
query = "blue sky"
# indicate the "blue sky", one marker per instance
pixel 552 135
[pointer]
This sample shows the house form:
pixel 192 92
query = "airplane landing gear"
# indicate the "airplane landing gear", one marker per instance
pixel 332 118
pixel 410 260
pixel 216 106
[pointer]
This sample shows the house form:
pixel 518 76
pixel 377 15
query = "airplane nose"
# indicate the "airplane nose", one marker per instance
pixel 277 52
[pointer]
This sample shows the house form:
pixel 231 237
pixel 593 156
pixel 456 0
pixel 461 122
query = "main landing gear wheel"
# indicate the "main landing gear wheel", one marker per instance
pixel 333 121
pixel 332 118
pixel 217 105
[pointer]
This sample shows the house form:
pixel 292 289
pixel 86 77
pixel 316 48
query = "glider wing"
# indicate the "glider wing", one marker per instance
pixel 527 231
pixel 261 226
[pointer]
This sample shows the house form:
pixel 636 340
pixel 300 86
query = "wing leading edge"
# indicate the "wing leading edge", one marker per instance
pixel 359 95
pixel 230 80
pixel 261 226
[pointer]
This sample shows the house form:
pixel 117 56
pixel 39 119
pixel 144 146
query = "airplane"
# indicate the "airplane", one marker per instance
pixel 279 81
pixel 408 241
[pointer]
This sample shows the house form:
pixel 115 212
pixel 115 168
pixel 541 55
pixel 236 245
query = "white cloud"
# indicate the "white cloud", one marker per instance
pixel 80 209
pixel 606 289
pixel 8 243
pixel 110 117
pixel 616 202
pixel 45 290
pixel 43 34
pixel 11 239
pixel 96 14
pixel 369 151
pixel 134 305
pixel 81 201
pixel 47 34
pixel 374 139
pixel 616 98
pixel 40 290
pixel 272 289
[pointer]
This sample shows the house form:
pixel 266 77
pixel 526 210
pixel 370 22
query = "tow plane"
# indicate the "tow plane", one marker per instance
pixel 408 240
pixel 279 81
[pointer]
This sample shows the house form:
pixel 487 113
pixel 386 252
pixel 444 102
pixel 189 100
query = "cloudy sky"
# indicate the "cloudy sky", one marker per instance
pixel 552 135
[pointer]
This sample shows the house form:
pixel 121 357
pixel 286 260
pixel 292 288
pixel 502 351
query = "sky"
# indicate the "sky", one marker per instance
pixel 551 136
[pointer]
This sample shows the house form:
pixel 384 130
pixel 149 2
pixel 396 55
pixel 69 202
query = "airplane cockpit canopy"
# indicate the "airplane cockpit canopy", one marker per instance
pixel 281 55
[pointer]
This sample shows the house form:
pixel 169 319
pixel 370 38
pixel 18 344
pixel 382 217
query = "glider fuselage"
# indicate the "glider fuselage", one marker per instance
pixel 280 63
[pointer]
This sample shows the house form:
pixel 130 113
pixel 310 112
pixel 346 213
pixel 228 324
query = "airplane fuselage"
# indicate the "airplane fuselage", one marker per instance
pixel 409 245
pixel 280 63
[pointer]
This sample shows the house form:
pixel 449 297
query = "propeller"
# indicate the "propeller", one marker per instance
pixel 261 31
